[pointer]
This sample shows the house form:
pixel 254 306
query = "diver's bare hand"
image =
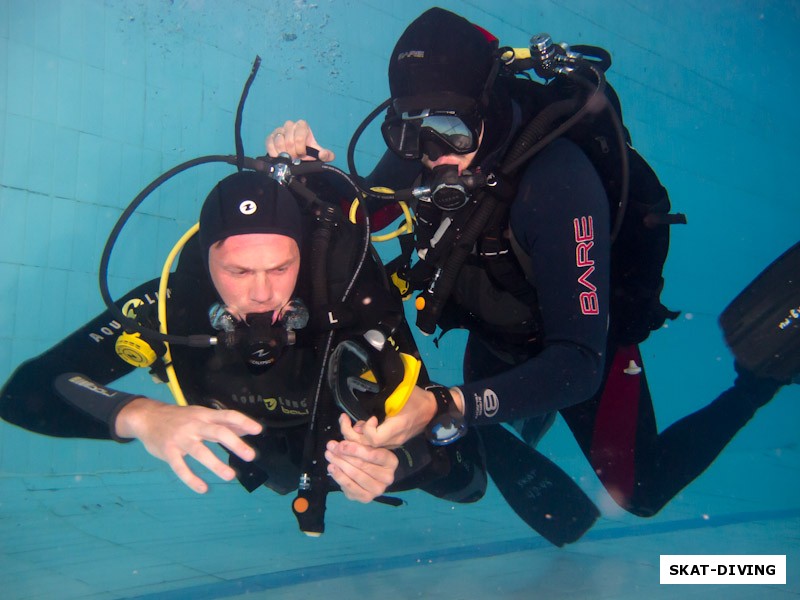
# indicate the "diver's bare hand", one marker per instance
pixel 171 432
pixel 395 431
pixel 362 472
pixel 294 138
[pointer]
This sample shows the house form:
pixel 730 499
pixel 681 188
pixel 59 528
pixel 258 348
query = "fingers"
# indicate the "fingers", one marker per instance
pixel 174 432
pixel 200 424
pixel 239 423
pixel 202 454
pixel 282 139
pixel 363 456
pixel 363 473
pixel 389 434
pixel 363 432
pixel 325 155
pixel 228 438
pixel 185 474
pixel 298 136
pixel 349 431
pixel 293 138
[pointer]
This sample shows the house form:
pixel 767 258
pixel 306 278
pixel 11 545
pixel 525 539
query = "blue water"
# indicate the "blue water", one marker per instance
pixel 98 98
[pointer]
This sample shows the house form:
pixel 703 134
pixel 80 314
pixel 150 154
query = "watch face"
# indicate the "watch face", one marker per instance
pixel 446 430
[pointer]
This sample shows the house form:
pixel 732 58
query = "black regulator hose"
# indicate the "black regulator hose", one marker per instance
pixel 593 104
pixel 237 128
pixel 595 101
pixel 602 56
pixel 351 147
pixel 533 138
pixel 438 293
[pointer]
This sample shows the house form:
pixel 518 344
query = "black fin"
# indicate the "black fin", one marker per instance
pixel 543 495
pixel 762 324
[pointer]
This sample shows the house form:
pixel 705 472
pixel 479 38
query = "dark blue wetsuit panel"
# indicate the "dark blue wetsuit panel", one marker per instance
pixel 560 219
pixel 579 371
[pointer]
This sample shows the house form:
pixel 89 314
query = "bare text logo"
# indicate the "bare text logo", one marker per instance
pixel 584 240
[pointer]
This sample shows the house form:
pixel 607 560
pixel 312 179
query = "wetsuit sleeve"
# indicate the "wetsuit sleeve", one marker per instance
pixel 29 399
pixel 560 220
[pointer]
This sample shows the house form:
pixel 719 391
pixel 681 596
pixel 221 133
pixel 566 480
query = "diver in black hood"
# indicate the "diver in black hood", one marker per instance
pixel 246 282
pixel 543 339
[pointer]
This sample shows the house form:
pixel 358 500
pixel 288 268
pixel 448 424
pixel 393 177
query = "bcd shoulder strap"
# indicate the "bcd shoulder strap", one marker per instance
pixel 502 263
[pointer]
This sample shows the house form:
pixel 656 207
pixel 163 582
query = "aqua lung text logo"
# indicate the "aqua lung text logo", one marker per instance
pixel 114 328
pixel 248 207
pixel 287 406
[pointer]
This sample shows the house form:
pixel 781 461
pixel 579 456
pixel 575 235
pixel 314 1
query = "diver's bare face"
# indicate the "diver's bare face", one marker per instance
pixel 462 161
pixel 255 272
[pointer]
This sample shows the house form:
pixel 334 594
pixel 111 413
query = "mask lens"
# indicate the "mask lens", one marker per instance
pixel 452 134
pixel 353 382
pixel 402 137
pixel 451 130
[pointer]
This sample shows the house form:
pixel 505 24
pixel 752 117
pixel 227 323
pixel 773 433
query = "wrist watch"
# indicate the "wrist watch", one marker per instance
pixel 448 423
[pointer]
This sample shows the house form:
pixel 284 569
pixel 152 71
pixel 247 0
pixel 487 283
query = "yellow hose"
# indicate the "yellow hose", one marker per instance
pixel 172 377
pixel 406 227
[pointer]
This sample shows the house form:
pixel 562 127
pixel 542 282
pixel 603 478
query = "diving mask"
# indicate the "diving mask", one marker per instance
pixel 432 132
pixel 369 376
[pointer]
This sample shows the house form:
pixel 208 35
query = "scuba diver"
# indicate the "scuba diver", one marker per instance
pixel 551 260
pixel 271 284
pixel 243 277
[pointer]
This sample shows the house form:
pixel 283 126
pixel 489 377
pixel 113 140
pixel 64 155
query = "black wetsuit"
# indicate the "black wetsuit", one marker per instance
pixel 560 220
pixel 577 367
pixel 279 396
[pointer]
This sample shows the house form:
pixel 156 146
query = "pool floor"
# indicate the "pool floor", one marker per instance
pixel 143 535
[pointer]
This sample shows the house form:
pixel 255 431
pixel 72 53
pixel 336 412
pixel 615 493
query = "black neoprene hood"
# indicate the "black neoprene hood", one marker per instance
pixel 248 202
pixel 441 61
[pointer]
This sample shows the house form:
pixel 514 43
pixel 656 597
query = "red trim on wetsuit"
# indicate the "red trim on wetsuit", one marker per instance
pixel 612 451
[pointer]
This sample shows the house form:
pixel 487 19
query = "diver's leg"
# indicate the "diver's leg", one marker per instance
pixel 688 447
pixel 641 469
pixel 616 428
